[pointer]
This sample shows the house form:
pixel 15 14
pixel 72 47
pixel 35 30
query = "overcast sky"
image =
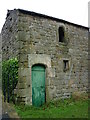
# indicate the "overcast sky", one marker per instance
pixel 75 11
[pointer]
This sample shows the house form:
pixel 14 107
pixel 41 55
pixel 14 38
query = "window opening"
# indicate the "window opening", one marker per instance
pixel 61 34
pixel 65 65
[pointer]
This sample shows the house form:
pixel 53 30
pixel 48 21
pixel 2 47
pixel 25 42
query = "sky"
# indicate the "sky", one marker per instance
pixel 75 11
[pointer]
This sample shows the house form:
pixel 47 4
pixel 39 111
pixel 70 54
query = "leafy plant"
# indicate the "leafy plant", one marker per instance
pixel 9 76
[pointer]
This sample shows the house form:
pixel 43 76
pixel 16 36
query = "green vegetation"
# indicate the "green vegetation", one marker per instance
pixel 55 109
pixel 9 76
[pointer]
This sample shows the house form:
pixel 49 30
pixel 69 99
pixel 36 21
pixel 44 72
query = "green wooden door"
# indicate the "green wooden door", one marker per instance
pixel 38 85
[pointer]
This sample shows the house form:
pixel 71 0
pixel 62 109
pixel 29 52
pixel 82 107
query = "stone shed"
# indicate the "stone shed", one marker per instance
pixel 52 54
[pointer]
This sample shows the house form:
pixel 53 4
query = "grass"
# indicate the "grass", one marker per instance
pixel 55 109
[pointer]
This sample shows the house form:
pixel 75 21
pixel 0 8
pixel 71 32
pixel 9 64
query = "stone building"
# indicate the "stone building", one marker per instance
pixel 52 54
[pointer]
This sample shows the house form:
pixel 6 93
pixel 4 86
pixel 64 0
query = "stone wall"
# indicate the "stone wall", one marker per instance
pixel 10 41
pixel 0 62
pixel 39 43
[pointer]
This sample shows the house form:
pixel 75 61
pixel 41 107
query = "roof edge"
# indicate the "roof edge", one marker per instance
pixel 49 17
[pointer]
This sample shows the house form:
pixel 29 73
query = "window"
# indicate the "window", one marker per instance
pixel 65 65
pixel 61 34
